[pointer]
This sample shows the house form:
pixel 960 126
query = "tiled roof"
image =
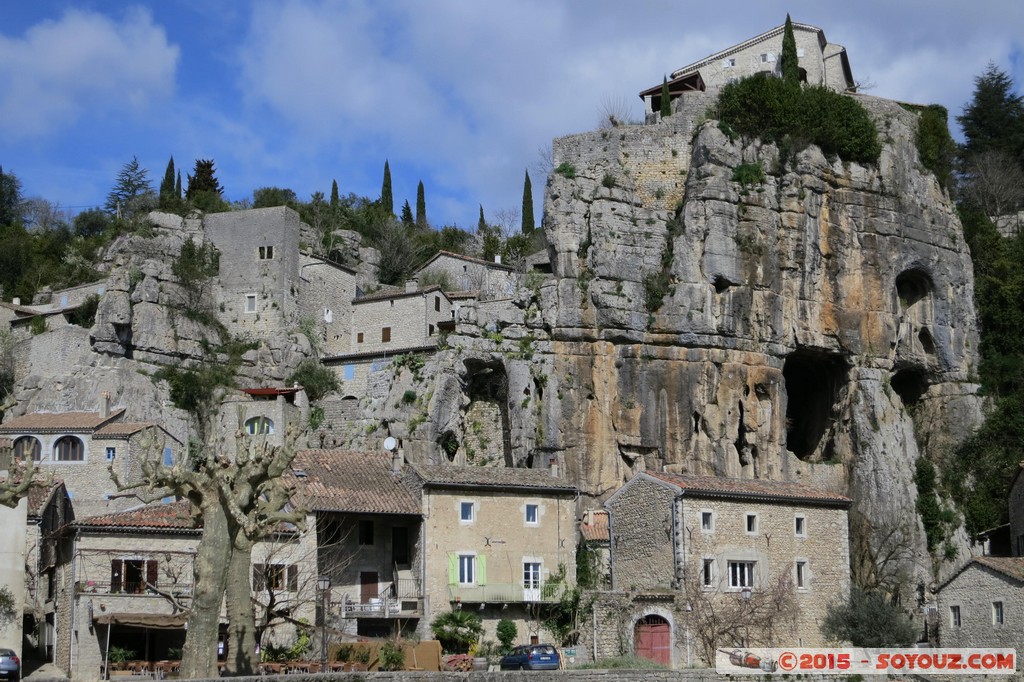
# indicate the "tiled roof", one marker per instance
pixel 1011 566
pixel 345 481
pixel 749 488
pixel 271 391
pixel 470 259
pixel 38 496
pixel 594 526
pixel 452 476
pixel 48 422
pixel 156 517
pixel 121 429
pixel 389 295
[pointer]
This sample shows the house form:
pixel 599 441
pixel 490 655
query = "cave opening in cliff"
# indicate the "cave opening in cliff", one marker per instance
pixel 487 435
pixel 910 383
pixel 813 381
pixel 912 286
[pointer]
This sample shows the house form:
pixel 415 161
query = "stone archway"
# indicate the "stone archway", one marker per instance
pixel 652 639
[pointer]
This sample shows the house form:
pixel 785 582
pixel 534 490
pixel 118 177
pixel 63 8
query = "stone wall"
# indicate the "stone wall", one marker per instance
pixel 974 591
pixel 640 526
pixel 327 291
pixel 491 281
pixel 408 319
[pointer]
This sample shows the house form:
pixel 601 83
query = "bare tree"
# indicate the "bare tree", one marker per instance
pixel 614 112
pixel 994 181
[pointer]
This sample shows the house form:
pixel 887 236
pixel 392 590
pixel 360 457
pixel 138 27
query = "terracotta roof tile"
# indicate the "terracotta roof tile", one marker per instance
pixel 388 295
pixel 747 488
pixel 43 422
pixel 1011 566
pixel 450 475
pixel 120 429
pixel 172 516
pixel 39 496
pixel 597 528
pixel 357 482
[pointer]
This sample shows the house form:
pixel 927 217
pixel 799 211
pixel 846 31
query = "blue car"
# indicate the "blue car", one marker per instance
pixel 10 666
pixel 532 657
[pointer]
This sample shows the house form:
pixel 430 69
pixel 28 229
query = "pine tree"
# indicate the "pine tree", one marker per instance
pixel 528 224
pixel 131 184
pixel 994 118
pixel 386 200
pixel 204 179
pixel 407 218
pixel 334 194
pixel 421 208
pixel 789 63
pixel 167 196
pixel 666 102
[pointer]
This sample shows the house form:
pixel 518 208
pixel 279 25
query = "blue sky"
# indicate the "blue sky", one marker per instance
pixel 460 94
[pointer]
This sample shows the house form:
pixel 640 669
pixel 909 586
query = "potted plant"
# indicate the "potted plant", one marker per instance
pixel 117 657
pixel 457 630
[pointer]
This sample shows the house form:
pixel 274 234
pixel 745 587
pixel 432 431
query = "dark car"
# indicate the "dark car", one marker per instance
pixel 532 657
pixel 10 665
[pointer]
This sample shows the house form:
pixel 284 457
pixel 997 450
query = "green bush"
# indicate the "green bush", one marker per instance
pixel 457 630
pixel 315 378
pixel 868 619
pixel 38 325
pixel 935 145
pixel 938 521
pixel 748 174
pixel 608 180
pixel 768 108
pixel 507 633
pixel 391 656
pixel 409 397
pixel 566 169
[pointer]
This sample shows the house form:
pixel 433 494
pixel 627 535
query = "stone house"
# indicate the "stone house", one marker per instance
pixel 81 448
pixel 456 272
pixel 326 293
pixel 724 539
pixel 497 540
pixel 982 604
pixel 369 527
pixel 1015 500
pixel 821 63
pixel 264 411
pixel 127 581
pixel 49 512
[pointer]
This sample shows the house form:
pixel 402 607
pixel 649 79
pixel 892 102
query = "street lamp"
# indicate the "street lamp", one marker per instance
pixel 746 614
pixel 323 584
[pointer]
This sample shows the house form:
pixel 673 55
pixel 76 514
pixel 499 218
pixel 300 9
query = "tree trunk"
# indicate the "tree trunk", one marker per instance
pixel 199 656
pixel 241 615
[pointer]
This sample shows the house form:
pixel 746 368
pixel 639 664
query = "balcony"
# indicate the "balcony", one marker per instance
pixel 401 598
pixel 505 593
pixel 130 588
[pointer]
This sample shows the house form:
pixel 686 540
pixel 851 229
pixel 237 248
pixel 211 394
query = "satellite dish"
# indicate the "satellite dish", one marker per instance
pixel 390 443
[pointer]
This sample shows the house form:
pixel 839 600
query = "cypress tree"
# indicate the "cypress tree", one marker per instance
pixel 386 199
pixel 177 186
pixel 788 62
pixel 334 194
pixel 421 208
pixel 481 225
pixel 407 218
pixel 167 186
pixel 528 225
pixel 666 102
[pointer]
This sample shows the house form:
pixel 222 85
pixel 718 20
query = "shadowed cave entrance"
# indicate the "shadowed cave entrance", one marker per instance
pixel 813 381
pixel 486 437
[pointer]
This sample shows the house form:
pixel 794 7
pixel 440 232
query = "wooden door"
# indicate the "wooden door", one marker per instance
pixel 652 637
pixel 369 587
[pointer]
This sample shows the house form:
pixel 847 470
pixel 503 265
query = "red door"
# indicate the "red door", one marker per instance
pixel 652 638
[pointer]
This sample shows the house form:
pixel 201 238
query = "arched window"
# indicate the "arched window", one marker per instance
pixel 259 426
pixel 68 449
pixel 28 448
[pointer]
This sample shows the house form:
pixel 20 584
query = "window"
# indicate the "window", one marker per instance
pixel 467 512
pixel 266 252
pixel 767 57
pixel 437 304
pixel 359 337
pixel 69 449
pixel 954 616
pixel 707 521
pixel 800 577
pixel 751 524
pixel 250 303
pixel 28 448
pixel 532 517
pixel 366 532
pixel 385 335
pixel 707 573
pixel 259 426
pixel 467 569
pixel 531 575
pixel 799 52
pixel 741 574
pixel 430 331
pixel 800 526
pixel 168 457
pixel 132 575
pixel 997 613
pixel 729 63
pixel 276 577
pixel 111 454
pixel 349 372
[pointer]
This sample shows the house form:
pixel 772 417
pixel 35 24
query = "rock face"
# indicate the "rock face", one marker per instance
pixel 815 325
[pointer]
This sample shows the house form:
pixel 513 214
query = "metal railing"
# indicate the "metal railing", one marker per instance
pixel 505 593
pixel 401 597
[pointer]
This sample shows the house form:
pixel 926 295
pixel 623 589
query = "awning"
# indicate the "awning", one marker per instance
pixel 144 620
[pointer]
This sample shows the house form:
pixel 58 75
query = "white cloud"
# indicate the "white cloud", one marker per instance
pixel 82 62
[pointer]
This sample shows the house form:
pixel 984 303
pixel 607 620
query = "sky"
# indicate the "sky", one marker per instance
pixel 463 95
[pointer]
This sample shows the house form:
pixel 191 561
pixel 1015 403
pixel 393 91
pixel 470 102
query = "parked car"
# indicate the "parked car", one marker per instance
pixel 10 665
pixel 532 657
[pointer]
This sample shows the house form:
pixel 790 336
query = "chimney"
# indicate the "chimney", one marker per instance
pixel 396 461
pixel 104 405
pixel 16 300
pixel 588 517
pixel 411 285
pixel 497 258
pixel 553 465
